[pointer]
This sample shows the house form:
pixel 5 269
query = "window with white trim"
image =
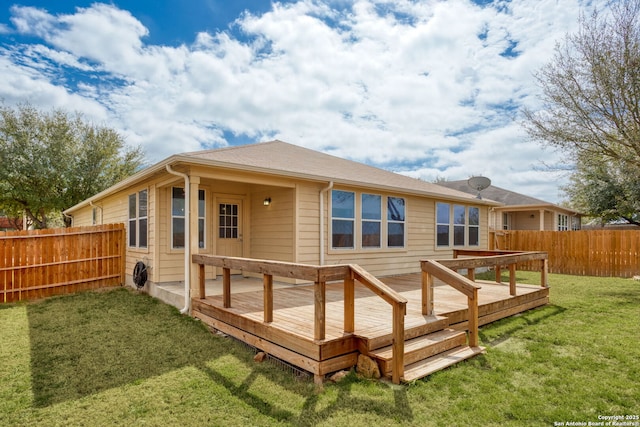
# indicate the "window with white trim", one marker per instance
pixel 138 219
pixel 473 230
pixel 343 209
pixel 395 222
pixel 371 220
pixel 443 224
pixel 359 220
pixel 457 225
pixel 506 221
pixel 202 211
pixel 178 218
pixel 563 222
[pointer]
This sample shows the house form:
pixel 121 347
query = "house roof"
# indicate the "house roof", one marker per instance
pixel 279 158
pixel 510 199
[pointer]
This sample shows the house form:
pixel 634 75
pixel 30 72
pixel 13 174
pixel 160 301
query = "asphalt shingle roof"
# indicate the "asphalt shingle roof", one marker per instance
pixel 283 158
pixel 509 198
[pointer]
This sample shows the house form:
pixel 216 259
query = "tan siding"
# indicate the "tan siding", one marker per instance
pixel 287 230
pixel 171 260
pixel 272 230
pixel 114 209
pixel 308 239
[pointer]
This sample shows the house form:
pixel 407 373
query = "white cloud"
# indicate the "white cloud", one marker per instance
pixel 423 87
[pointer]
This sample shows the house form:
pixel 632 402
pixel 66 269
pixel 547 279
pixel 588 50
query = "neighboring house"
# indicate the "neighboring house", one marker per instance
pixel 9 224
pixel 282 202
pixel 520 212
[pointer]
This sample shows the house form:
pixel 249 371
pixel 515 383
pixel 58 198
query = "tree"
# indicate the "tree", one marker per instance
pixel 605 189
pixel 52 160
pixel 591 109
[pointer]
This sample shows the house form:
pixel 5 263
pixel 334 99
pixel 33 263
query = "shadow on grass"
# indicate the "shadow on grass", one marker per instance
pixel 90 342
pixel 94 341
pixel 509 326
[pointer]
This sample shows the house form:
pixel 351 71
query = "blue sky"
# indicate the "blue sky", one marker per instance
pixel 431 89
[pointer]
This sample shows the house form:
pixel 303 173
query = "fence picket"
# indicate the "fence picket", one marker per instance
pixel 605 253
pixel 43 263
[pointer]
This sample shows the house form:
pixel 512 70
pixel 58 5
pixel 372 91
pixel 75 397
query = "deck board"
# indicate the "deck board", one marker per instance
pixel 293 314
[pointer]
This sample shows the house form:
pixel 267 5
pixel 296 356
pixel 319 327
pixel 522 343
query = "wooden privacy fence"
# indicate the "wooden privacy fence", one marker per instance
pixel 42 263
pixel 604 253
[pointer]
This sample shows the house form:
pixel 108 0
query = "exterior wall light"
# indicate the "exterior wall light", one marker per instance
pixel 267 201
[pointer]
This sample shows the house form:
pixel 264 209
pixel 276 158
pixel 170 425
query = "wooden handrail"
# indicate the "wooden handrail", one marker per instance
pixel 498 259
pixel 450 277
pixel 376 286
pixel 399 307
pixel 319 275
pixel 288 270
pixel 480 260
pixel 458 282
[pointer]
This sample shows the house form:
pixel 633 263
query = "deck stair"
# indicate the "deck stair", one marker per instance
pixel 425 352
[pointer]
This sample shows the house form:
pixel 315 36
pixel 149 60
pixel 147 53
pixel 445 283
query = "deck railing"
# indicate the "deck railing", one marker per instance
pixel 447 271
pixel 431 269
pixel 319 275
pixel 497 260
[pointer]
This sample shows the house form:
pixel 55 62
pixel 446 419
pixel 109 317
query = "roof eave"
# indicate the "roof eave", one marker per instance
pixel 139 176
pixel 180 158
pixel 319 178
pixel 547 206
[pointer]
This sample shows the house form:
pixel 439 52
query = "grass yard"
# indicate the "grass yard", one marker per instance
pixel 117 357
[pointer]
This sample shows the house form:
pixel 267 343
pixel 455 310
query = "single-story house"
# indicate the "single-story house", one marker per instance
pixel 279 201
pixel 521 212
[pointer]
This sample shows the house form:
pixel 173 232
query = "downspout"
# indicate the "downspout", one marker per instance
pixel 324 190
pixel 187 239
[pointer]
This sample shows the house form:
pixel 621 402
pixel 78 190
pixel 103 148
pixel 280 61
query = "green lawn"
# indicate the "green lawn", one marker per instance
pixel 122 358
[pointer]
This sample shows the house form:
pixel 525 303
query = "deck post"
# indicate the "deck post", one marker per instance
pixel 473 319
pixel 201 279
pixel 544 273
pixel 267 282
pixel 349 303
pixel 498 274
pixel 512 280
pixel 427 294
pixel 319 309
pixel 226 287
pixel 399 311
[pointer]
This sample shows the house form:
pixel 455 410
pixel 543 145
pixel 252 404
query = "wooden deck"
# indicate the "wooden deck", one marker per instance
pixel 431 342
